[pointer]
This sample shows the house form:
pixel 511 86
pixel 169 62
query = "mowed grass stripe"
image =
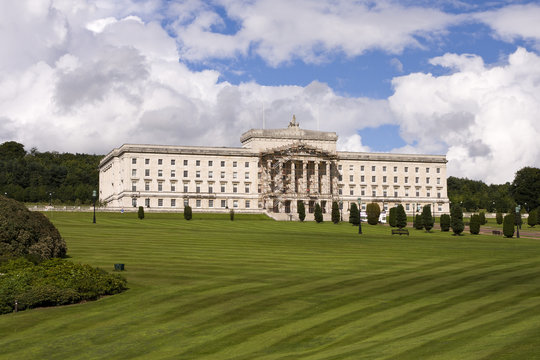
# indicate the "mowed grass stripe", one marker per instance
pixel 264 289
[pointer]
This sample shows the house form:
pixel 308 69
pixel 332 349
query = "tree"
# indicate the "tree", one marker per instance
pixel 392 219
pixel 525 188
pixel 335 212
pixel 354 215
pixel 301 210
pixel 188 212
pixel 318 213
pixel 474 224
pixel 482 216
pixel 456 220
pixel 533 217
pixel 445 222
pixel 401 217
pixel 373 212
pixel 140 213
pixel 12 150
pixel 418 224
pixel 427 219
pixel 499 218
pixel 508 226
pixel 231 214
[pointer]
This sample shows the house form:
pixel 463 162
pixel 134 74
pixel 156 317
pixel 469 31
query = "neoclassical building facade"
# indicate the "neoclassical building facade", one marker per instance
pixel 271 172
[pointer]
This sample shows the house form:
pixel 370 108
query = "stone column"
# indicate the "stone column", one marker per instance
pixel 328 185
pixel 316 175
pixel 268 184
pixel 304 176
pixel 279 180
pixel 292 185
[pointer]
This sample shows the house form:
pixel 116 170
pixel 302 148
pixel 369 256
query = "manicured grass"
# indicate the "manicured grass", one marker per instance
pixel 255 289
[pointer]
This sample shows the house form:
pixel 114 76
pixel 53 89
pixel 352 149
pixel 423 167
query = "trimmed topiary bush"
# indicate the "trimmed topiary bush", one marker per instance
pixel 445 222
pixel 456 220
pixel 392 219
pixel 354 215
pixel 499 218
pixel 27 233
pixel 373 212
pixel 427 219
pixel 508 226
pixel 418 224
pixel 231 214
pixel 335 212
pixel 483 220
pixel 401 217
pixel 188 213
pixel 533 217
pixel 318 213
pixel 301 208
pixel 140 213
pixel 474 224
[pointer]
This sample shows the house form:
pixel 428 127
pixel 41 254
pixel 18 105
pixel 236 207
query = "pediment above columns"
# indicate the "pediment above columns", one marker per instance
pixel 298 150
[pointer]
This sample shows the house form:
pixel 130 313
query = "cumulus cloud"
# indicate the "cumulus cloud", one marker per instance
pixel 484 118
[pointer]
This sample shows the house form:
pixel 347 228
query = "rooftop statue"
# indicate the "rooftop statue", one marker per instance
pixel 293 122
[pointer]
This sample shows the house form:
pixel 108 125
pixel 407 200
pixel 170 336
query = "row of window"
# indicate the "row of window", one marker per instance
pixel 235 187
pixel 374 193
pixel 186 162
pixel 384 167
pixel 186 174
pixel 384 179
pixel 198 203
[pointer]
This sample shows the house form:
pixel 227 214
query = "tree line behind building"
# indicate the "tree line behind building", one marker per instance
pixel 40 177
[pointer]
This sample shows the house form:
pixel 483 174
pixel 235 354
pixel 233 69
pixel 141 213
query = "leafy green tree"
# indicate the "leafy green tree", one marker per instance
pixel 12 150
pixel 445 222
pixel 318 213
pixel 474 224
pixel 499 218
pixel 401 217
pixel 392 217
pixel 140 213
pixel 456 220
pixel 373 212
pixel 427 219
pixel 301 209
pixel 354 215
pixel 188 213
pixel 482 216
pixel 335 212
pixel 508 226
pixel 533 217
pixel 418 223
pixel 526 187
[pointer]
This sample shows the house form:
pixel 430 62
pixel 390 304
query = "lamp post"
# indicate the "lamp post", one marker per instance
pixel 50 199
pixel 518 217
pixel 360 216
pixel 94 195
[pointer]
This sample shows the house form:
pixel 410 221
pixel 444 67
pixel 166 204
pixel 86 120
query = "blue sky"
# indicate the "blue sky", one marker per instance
pixel 440 77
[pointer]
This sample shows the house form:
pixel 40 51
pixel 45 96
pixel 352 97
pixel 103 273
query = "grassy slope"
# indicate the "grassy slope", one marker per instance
pixel 252 289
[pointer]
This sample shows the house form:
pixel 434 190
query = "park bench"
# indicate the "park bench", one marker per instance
pixel 400 232
pixel 496 232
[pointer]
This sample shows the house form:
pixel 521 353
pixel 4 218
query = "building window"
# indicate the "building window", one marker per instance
pixel 427 170
pixel 362 178
pixel 210 163
pixel 198 174
pixel 384 168
pixel 160 173
pixel 134 161
pixel 160 186
pixel 246 175
pixel 384 179
pixel 210 189
pixel 363 192
pixel 340 177
pixel 197 162
pixel 351 191
pixel 374 193
pixel 223 203
pixel 438 181
pixel 134 186
pixel 246 188
pixel 417 180
pixel 210 174
pixel 363 207
pixel 407 193
pixel 173 202
pixel 134 202
pixel 147 186
pixel 146 172
pixel 373 168
pixel 223 174
pixel 146 161
pixel 407 207
pixel 395 194
pixel 198 189
pixel 186 188
pixel 248 204
pixel 173 162
pixel 406 179
pixel 340 167
pixel 235 175
pixel 427 180
pixel 351 167
pixel 395 179
pixel 438 170
pixel 439 195
pixel 185 162
pixel 159 202
pixel 234 164
pixel 384 193
pixel 406 169
pixel 223 164
pixel 416 169
pixel 373 179
pixel 362 168
pixel 259 189
pixel 186 202
pixel 340 191
pixel 235 204
pixel 147 202
pixel 198 203
pixel 133 172
pixel 160 161
pixel 351 178
pixel 440 208
pixel 173 187
pixel 235 188
pixel 173 173
pixel 246 164
pixel 185 173
pixel 211 203
pixel 222 188
pixel 428 194
pixel 395 168
pixel 418 194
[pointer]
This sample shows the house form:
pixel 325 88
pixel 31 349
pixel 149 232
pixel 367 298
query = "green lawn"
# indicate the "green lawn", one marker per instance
pixel 259 289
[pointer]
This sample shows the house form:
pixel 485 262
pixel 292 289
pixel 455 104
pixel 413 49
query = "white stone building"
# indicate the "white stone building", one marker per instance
pixel 272 170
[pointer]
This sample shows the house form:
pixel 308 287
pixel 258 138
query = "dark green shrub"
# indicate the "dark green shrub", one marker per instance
pixel 483 220
pixel 354 215
pixel 445 222
pixel 532 219
pixel 499 218
pixel 456 220
pixel 53 282
pixel 508 226
pixel 474 224
pixel 231 214
pixel 318 213
pixel 427 219
pixel 140 213
pixel 418 223
pixel 301 210
pixel 373 212
pixel 401 217
pixel 392 217
pixel 27 233
pixel 188 213
pixel 335 212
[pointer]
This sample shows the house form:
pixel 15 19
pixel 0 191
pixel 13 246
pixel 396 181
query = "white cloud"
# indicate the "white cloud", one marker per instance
pixel 485 119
